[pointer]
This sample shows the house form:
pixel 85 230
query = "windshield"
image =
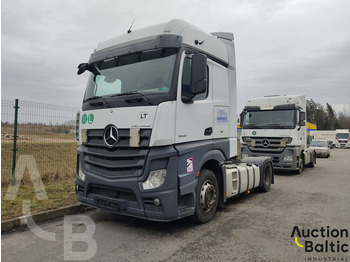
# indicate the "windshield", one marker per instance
pixel 143 72
pixel 269 119
pixel 319 143
pixel 342 135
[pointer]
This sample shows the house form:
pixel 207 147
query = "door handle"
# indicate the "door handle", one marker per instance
pixel 208 131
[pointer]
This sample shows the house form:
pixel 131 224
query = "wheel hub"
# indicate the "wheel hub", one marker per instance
pixel 208 196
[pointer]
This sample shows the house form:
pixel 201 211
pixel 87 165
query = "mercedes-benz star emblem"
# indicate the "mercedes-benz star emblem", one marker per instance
pixel 265 143
pixel 110 136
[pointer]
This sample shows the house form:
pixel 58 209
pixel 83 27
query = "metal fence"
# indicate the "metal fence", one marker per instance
pixel 44 131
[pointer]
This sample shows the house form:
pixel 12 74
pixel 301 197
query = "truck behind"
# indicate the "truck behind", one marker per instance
pixel 342 138
pixel 275 126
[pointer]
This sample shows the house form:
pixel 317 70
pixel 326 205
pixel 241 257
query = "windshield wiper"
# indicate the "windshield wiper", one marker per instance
pixel 249 125
pixel 92 98
pixel 143 97
pixel 275 126
pixel 99 103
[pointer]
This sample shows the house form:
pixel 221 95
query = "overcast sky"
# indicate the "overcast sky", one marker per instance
pixel 282 46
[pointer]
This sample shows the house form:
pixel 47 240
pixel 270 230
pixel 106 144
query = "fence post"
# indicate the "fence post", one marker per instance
pixel 14 149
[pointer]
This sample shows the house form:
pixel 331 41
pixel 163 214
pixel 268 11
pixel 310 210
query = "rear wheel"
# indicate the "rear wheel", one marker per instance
pixel 207 196
pixel 313 162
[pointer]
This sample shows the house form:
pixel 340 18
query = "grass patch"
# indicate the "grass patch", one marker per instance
pixel 54 160
pixel 56 163
pixel 60 193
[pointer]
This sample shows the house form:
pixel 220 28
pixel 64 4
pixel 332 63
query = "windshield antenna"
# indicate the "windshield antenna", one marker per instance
pixel 129 31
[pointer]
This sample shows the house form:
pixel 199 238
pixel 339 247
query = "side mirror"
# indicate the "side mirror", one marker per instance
pixel 82 68
pixel 302 119
pixel 198 74
pixel 241 118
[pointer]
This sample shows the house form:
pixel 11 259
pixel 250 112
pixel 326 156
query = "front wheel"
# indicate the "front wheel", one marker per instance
pixel 301 166
pixel 266 183
pixel 207 196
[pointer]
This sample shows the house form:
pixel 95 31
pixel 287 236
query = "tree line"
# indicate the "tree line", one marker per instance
pixel 325 117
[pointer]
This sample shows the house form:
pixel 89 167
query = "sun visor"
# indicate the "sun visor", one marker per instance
pixel 284 107
pixel 252 108
pixel 160 41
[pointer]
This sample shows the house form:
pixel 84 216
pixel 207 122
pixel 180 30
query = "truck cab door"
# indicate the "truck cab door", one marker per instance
pixel 194 113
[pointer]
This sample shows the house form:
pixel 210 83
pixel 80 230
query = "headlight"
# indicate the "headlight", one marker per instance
pixel 155 179
pixel 288 159
pixel 243 156
pixel 81 175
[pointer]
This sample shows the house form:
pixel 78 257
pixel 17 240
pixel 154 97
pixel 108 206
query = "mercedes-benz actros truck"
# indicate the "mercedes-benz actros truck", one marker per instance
pixel 157 129
pixel 275 126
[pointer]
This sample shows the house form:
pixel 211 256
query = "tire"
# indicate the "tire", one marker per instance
pixel 313 162
pixel 301 166
pixel 267 179
pixel 207 197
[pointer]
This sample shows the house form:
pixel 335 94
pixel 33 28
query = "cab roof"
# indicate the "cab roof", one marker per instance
pixel 181 31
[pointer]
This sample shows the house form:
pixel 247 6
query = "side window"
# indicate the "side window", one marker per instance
pixel 186 81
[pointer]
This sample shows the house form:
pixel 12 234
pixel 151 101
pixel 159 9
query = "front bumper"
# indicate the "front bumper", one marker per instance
pixel 121 194
pixel 123 197
pixel 278 159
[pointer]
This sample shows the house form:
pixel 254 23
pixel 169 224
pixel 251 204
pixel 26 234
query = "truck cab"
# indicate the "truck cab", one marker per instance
pixel 157 122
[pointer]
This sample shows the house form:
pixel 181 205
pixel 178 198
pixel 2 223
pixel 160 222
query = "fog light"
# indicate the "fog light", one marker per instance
pixel 155 179
pixel 156 202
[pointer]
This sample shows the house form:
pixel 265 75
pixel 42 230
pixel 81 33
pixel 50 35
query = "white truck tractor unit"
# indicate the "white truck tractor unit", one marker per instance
pixel 275 126
pixel 157 129
pixel 342 138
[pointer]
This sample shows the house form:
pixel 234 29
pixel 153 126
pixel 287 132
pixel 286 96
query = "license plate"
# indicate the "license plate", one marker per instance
pixel 107 203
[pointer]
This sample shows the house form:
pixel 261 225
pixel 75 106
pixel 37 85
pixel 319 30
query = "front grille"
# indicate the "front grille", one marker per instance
pixel 119 161
pixel 95 138
pixel 271 145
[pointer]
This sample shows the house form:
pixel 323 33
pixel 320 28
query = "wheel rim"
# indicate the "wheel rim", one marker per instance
pixel 208 196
